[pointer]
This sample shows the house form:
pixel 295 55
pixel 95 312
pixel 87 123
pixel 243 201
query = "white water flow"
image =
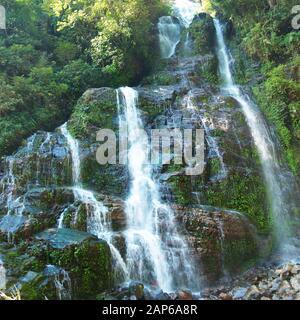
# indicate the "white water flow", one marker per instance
pixel 262 138
pixel 99 223
pixel 63 285
pixel 186 10
pixel 156 254
pixel 169 36
pixel 74 149
pixel 60 223
pixel 14 204
pixel 2 276
pixel 170 30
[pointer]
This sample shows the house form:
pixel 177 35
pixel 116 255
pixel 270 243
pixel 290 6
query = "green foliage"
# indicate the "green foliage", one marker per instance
pixel 65 52
pixel 279 98
pixel 245 194
pixel 119 34
pixel 53 50
pixel 79 75
pixel 18 59
pixel 203 33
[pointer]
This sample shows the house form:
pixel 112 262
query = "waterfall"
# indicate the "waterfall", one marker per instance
pixel 14 204
pixel 169 36
pixel 44 147
pixel 263 140
pixel 63 285
pixel 186 10
pixel 98 222
pixel 156 254
pixel 170 30
pixel 2 276
pixel 62 281
pixel 74 149
pixel 60 223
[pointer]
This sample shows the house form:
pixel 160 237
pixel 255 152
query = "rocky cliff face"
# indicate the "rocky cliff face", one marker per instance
pixel 36 184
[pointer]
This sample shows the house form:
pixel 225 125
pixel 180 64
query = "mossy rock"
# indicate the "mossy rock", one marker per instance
pixel 108 179
pixel 203 32
pixel 96 109
pixel 224 242
pixel 242 192
pixel 207 69
pixel 87 259
pixel 162 78
pixel 42 208
pixel 154 101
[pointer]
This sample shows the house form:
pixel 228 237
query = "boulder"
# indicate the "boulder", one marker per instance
pixel 96 109
pixel 184 295
pixel 42 161
pixel 203 32
pixel 221 241
pixel 225 296
pixel 87 259
pixel 295 282
pixel 253 293
pixel 154 100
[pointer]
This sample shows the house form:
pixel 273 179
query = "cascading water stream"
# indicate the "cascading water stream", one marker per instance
pixel 63 285
pixel 264 143
pixel 14 204
pixel 61 280
pixel 169 36
pixel 170 30
pixel 186 10
pixel 98 222
pixel 156 254
pixel 2 276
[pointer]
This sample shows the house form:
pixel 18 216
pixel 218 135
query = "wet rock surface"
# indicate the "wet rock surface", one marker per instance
pixel 218 239
pixel 62 238
pixel 40 209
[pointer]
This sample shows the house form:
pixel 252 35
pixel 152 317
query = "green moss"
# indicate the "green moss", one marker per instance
pixel 68 218
pixel 95 116
pixel 81 223
pixel 80 213
pixel 240 192
pixel 203 33
pixel 181 189
pixel 89 265
pixel 95 110
pixel 162 78
pixel 278 98
pixel 243 193
pixel 208 70
pixel 104 178
pixel 214 166
pixel 32 290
